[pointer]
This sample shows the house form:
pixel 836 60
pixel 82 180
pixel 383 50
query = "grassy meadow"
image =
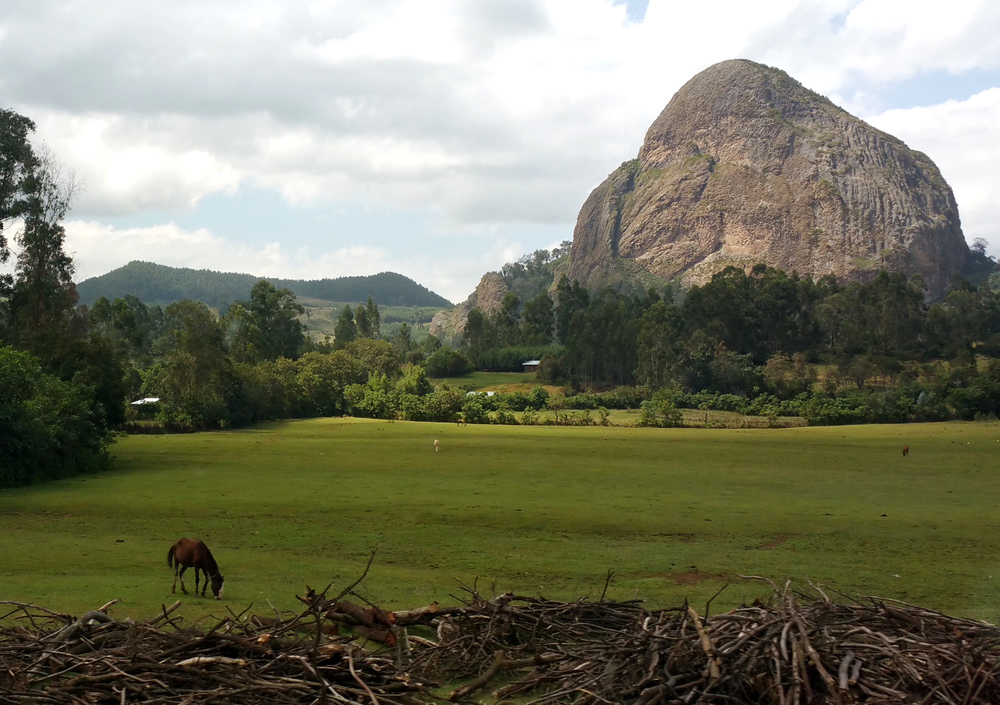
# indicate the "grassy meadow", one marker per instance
pixel 502 381
pixel 675 513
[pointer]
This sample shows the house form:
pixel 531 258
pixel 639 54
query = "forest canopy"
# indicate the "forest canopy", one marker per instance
pixel 159 284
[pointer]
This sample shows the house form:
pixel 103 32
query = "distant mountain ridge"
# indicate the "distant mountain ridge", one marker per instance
pixel 159 284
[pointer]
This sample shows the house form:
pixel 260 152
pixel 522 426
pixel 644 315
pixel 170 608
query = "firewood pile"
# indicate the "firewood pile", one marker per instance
pixel 797 647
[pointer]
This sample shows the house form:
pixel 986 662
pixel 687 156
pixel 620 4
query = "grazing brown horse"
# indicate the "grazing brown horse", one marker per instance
pixel 190 553
pixel 906 451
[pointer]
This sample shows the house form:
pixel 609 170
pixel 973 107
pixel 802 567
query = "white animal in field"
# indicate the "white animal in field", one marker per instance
pixel 437 445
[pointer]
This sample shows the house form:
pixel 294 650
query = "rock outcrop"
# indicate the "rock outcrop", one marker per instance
pixel 488 296
pixel 745 166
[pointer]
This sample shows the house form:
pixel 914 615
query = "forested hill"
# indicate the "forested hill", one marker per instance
pixel 159 284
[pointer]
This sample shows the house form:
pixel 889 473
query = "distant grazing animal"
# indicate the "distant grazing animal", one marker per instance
pixel 191 553
pixel 437 445
pixel 906 451
pixel 462 421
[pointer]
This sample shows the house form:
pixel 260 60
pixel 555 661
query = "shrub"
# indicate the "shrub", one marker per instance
pixel 504 416
pixel 48 427
pixel 445 362
pixel 474 411
pixel 659 412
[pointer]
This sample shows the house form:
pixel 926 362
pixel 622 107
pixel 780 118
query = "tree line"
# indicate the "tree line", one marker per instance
pixel 752 333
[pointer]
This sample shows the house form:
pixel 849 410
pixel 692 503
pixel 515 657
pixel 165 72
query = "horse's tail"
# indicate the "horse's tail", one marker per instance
pixel 170 556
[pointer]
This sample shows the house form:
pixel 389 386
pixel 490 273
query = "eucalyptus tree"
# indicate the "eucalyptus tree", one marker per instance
pixel 267 326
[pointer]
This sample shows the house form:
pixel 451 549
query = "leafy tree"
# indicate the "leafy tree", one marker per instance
pixel 402 341
pixel 17 166
pixel 42 296
pixel 320 381
pixel 377 399
pixel 480 332
pixel 550 369
pixel 379 356
pixel 883 317
pixel 538 320
pixel 267 326
pixel 346 330
pixel 570 300
pixel 660 412
pixel 414 381
pixel 787 376
pixel 601 339
pixel 196 372
pixel 661 347
pixel 733 373
pixel 361 322
pixel 374 319
pixel 445 362
pixel 507 320
pixel 761 313
pixel 533 274
pixel 48 427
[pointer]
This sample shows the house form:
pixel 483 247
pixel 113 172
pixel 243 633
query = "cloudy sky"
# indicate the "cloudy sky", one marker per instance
pixel 440 138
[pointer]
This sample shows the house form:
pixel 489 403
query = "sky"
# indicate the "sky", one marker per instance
pixel 440 138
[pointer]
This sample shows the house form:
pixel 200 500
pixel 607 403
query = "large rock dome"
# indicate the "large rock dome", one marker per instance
pixel 747 166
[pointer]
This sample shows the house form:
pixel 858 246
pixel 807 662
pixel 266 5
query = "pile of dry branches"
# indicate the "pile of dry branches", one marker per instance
pixel 796 648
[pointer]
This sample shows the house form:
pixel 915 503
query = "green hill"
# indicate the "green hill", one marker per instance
pixel 159 284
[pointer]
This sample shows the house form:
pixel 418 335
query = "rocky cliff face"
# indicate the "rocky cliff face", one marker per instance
pixel 745 165
pixel 488 296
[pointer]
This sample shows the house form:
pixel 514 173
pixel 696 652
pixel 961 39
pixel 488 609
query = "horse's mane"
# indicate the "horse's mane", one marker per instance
pixel 212 565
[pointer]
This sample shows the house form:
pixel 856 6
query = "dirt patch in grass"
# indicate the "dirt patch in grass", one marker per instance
pixel 775 542
pixel 683 537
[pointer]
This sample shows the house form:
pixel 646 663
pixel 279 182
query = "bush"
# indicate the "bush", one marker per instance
pixel 660 412
pixel 504 416
pixel 444 404
pixel 538 398
pixel 445 362
pixel 474 411
pixel 48 428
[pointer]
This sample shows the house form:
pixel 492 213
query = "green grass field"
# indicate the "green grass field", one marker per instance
pixel 492 380
pixel 675 513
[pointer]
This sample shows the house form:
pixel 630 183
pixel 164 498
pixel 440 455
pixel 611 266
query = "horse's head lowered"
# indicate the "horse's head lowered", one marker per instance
pixel 217 581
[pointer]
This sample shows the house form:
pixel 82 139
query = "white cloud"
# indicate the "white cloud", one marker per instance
pixel 963 139
pixel 850 48
pixel 454 104
pixel 481 113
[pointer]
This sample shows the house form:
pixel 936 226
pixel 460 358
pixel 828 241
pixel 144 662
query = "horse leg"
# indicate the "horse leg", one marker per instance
pixel 197 570
pixel 173 588
pixel 183 589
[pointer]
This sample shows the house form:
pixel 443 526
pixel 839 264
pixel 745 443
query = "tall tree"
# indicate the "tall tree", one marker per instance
pixel 43 296
pixel 480 333
pixel 267 326
pixel 507 320
pixel 374 318
pixel 361 322
pixel 196 374
pixel 570 299
pixel 660 345
pixel 538 320
pixel 17 165
pixel 346 330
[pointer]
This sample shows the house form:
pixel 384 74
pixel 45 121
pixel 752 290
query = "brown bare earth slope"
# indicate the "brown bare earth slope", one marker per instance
pixel 747 166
